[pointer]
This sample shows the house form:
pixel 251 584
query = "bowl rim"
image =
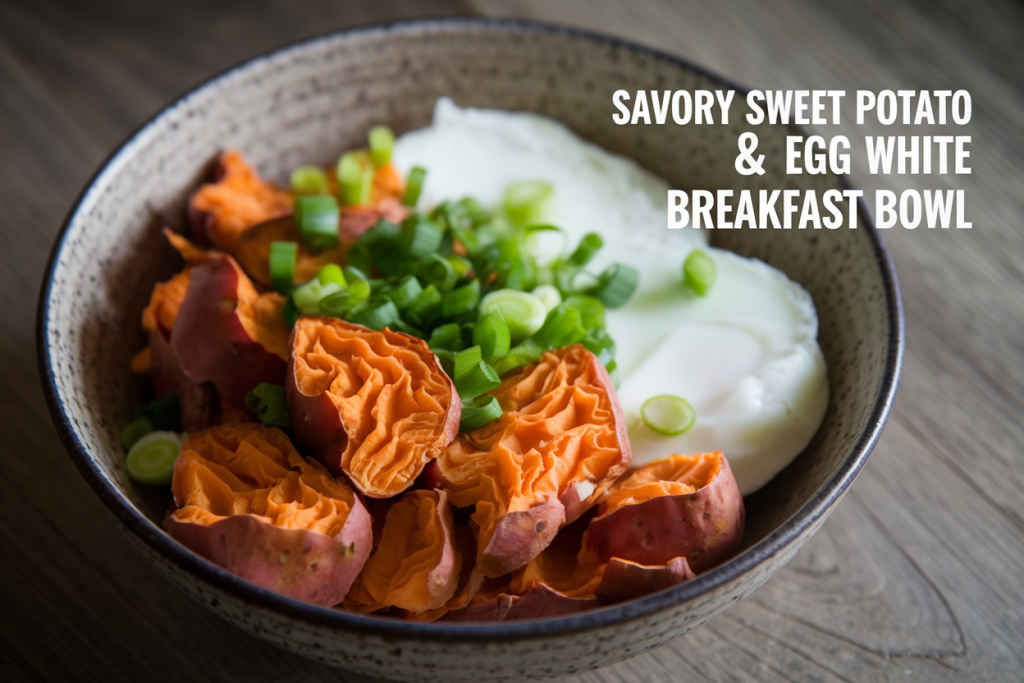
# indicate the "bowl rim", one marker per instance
pixel 817 507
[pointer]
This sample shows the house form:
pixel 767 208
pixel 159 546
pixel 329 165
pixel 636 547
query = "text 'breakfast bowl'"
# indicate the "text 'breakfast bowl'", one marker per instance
pixel 307 104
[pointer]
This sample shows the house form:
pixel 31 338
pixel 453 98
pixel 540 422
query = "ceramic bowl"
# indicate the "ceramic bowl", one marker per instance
pixel 307 103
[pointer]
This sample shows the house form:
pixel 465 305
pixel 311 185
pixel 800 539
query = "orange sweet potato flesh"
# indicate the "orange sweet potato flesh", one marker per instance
pixel 222 211
pixel 559 444
pixel 375 406
pixel 247 501
pixel 683 506
pixel 415 566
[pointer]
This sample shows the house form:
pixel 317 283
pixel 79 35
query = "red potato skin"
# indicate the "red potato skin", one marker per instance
pixel 521 536
pixel 705 527
pixel 318 426
pixel 299 564
pixel 210 342
pixel 624 580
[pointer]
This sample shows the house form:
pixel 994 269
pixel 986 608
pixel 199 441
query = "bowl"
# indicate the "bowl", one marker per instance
pixel 308 102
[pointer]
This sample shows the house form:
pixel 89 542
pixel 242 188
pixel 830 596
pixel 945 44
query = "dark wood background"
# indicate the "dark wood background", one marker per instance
pixel 916 576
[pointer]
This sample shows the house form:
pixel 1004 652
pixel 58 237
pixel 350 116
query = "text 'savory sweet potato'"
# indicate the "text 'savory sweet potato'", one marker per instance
pixel 559 444
pixel 221 211
pixel 415 565
pixel 374 405
pixel 248 502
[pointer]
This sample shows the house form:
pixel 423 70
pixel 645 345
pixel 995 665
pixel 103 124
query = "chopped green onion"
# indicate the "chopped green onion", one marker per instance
pixel 589 245
pixel 462 300
pixel 290 312
pixel 402 326
pixel 544 250
pixel 426 308
pixel 528 201
pixel 699 272
pixel 163 412
pixel 582 281
pixel 281 264
pixel 523 313
pixel 309 180
pixel 460 264
pixel 446 337
pixel 381 141
pixel 466 360
pixel 383 241
pixel 135 431
pixel 447 359
pixel 413 186
pixel 548 295
pixel 376 313
pixel 479 411
pixel 353 273
pixel 436 270
pixel 616 284
pixel 601 344
pixel 405 292
pixel 476 380
pixel 466 332
pixel 491 334
pixel 667 415
pixel 270 404
pixel 523 354
pixel 355 178
pixel 561 328
pixel 339 304
pixel 151 459
pixel 317 218
pixel 332 273
pixel 421 236
pixel 307 296
pixel 591 310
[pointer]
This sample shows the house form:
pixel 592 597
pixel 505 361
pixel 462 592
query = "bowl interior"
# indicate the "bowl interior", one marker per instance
pixel 310 102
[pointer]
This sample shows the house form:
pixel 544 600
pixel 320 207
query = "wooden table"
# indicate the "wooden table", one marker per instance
pixel 917 575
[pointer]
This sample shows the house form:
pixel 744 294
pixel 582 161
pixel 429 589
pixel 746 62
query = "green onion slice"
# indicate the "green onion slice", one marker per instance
pixel 426 308
pixel 591 310
pixel 151 459
pixel 307 296
pixel 355 178
pixel 523 313
pixel 436 270
pixel 466 360
pixel 523 354
pixel 616 284
pixel 381 141
pixel 413 186
pixel 420 236
pixel 340 304
pixel 667 415
pixel 376 313
pixel 331 273
pixel 479 411
pixel 309 180
pixel 352 273
pixel 528 201
pixel 492 335
pixel 548 295
pixel 699 272
pixel 544 242
pixel 446 337
pixel 135 431
pixel 270 404
pixel 601 344
pixel 447 359
pixel 561 328
pixel 462 300
pixel 588 246
pixel 282 265
pixel 405 292
pixel 317 218
pixel 476 380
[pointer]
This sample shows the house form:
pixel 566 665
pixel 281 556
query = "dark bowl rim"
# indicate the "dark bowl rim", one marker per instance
pixel 818 506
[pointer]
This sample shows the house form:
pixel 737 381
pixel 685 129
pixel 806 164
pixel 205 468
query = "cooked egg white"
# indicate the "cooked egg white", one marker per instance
pixel 745 356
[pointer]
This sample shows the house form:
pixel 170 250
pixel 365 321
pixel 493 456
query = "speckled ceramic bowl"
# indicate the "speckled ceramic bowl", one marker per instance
pixel 309 102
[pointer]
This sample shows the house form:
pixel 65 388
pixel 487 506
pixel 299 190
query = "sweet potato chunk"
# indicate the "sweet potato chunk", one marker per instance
pixel 222 211
pixel 415 566
pixel 247 501
pixel 559 444
pixel 683 506
pixel 374 405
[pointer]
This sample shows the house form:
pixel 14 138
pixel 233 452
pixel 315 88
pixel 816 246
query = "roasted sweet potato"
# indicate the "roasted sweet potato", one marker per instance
pixel 247 501
pixel 414 566
pixel 682 506
pixel 374 405
pixel 221 211
pixel 227 334
pixel 559 444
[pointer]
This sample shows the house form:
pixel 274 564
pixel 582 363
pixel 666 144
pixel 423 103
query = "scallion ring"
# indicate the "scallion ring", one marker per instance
pixel 151 459
pixel 667 415
pixel 523 313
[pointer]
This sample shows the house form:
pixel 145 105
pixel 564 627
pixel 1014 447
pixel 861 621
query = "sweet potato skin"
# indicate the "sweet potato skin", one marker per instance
pixel 705 527
pixel 303 565
pixel 521 536
pixel 624 580
pixel 210 341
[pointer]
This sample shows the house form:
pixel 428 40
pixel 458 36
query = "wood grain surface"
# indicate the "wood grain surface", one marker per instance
pixel 918 575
